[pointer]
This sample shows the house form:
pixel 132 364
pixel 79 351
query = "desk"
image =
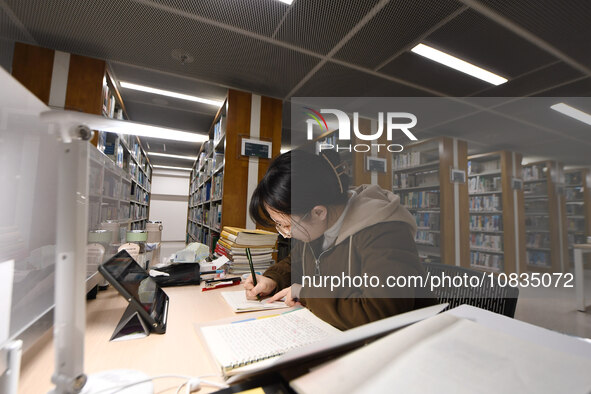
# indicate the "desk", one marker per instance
pixel 179 351
pixel 580 274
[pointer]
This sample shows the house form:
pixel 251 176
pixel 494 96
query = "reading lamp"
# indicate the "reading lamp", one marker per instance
pixel 74 129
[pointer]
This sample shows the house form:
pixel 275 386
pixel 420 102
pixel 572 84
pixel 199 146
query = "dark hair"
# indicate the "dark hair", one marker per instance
pixel 296 182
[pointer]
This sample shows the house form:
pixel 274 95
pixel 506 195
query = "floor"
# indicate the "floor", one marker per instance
pixel 555 309
pixel 552 308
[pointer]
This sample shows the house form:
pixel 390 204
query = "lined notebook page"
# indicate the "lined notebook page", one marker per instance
pixel 239 303
pixel 238 344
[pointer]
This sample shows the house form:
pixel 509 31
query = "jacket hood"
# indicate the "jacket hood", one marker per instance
pixel 372 205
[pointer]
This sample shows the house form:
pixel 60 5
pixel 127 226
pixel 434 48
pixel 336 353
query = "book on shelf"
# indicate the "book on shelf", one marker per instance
pixel 425 199
pixel 485 203
pixel 487 241
pixel 486 222
pixel 480 184
pixel 478 167
pixel 486 260
pixel 538 258
pixel 534 172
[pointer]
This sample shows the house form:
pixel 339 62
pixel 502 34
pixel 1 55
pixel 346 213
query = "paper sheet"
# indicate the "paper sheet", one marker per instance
pixel 239 303
pixel 450 355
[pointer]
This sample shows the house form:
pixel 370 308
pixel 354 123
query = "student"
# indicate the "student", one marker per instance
pixel 335 233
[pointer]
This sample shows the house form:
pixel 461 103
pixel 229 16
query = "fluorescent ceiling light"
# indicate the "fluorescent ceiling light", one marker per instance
pixel 168 93
pixel 286 1
pixel 172 167
pixel 572 112
pixel 71 119
pixel 173 156
pixel 458 64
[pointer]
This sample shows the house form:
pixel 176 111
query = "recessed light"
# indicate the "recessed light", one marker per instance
pixel 172 167
pixel 168 93
pixel 458 64
pixel 172 156
pixel 572 112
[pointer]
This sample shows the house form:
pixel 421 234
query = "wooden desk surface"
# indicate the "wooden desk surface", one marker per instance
pixel 179 351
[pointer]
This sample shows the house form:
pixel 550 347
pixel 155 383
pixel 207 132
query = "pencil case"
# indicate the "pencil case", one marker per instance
pixel 180 274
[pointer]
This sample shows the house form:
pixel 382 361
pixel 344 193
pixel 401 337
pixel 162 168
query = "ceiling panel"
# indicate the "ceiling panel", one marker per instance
pixel 171 147
pixel 173 104
pixel 580 88
pixel 537 111
pixel 414 68
pixel 478 40
pixel 318 25
pixel 168 81
pixel 260 16
pixel 534 82
pixel 10 30
pixel 393 29
pixel 168 117
pixel 494 131
pixel 334 80
pixel 126 33
pixel 563 24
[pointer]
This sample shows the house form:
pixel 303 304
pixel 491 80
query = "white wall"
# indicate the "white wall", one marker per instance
pixel 170 192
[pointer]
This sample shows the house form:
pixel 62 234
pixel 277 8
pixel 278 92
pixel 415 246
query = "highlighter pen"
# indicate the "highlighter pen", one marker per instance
pixel 254 276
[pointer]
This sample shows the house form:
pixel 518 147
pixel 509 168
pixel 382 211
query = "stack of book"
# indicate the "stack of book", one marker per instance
pixel 233 243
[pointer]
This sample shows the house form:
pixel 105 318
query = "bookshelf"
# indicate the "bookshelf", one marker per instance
pixel 497 221
pixel 89 87
pixel 545 214
pixel 128 154
pixel 204 218
pixel 221 178
pixel 421 177
pixel 578 208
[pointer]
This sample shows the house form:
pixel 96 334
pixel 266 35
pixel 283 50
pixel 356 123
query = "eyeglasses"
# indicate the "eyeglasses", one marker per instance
pixel 285 230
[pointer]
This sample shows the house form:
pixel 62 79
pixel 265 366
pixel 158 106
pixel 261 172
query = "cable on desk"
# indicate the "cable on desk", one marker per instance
pixel 187 378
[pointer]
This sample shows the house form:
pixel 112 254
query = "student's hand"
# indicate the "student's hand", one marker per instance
pixel 289 300
pixel 265 286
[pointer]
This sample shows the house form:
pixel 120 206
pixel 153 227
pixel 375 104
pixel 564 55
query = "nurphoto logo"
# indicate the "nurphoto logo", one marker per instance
pixel 393 123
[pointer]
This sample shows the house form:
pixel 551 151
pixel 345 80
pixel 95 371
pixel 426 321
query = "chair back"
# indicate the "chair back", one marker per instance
pixel 487 295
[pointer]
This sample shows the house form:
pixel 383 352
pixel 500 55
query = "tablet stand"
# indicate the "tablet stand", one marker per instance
pixel 130 326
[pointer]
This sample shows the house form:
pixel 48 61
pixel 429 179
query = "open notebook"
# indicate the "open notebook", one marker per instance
pixel 249 348
pixel 235 345
pixel 238 302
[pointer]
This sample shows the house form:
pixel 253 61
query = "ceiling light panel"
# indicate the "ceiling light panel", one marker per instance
pixel 193 158
pixel 572 112
pixel 168 93
pixel 458 64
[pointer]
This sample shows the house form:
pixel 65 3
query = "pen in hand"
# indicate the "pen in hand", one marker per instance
pixel 254 277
